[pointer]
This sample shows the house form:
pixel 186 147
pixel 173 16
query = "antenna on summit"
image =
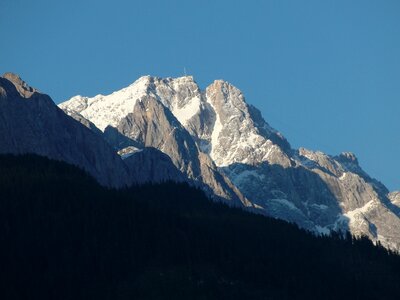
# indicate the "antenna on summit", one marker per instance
pixel 184 70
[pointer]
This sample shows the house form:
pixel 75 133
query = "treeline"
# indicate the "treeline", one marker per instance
pixel 62 236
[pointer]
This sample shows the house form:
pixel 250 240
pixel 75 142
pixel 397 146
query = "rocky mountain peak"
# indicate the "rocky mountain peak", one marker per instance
pixel 22 87
pixel 143 83
pixel 153 84
pixel 349 157
pixel 223 93
pixel 240 134
pixel 395 198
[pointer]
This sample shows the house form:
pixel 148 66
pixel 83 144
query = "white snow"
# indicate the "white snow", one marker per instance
pixel 185 113
pixel 216 131
pixel 353 214
pixel 105 110
pixel 270 150
pixel 357 217
pixel 110 109
pixel 126 155
pixel 253 140
pixel 75 104
pixel 128 151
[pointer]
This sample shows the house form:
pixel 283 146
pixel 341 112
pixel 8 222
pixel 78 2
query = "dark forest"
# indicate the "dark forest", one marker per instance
pixel 63 236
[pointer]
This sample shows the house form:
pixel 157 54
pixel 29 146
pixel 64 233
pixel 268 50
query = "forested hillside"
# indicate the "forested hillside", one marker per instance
pixel 63 236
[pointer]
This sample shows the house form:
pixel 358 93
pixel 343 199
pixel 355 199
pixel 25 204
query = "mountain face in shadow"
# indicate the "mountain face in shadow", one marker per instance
pixel 252 160
pixel 30 122
pixel 64 236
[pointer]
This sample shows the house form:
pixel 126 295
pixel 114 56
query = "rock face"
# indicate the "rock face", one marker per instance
pixel 31 123
pixel 151 165
pixel 214 134
pixel 85 122
pixel 147 122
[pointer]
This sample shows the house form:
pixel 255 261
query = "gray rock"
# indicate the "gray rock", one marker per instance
pixel 151 124
pixel 150 165
pixel 31 123
pixel 78 117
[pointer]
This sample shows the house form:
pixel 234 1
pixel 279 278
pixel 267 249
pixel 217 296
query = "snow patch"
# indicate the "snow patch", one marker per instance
pixel 128 151
pixel 356 213
pixel 108 110
pixel 215 133
pixel 184 114
pixel 269 152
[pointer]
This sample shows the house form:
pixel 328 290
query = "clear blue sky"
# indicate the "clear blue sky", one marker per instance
pixel 325 73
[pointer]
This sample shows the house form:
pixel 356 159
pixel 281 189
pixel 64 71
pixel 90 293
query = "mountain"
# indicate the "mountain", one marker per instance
pixel 319 192
pixel 30 122
pixel 134 118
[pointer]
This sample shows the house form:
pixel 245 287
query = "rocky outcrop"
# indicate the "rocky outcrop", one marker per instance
pixel 395 198
pixel 24 90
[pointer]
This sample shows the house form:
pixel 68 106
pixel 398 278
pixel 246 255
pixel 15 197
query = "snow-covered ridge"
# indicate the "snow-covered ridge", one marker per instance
pixel 183 97
pixel 105 110
pixel 109 110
